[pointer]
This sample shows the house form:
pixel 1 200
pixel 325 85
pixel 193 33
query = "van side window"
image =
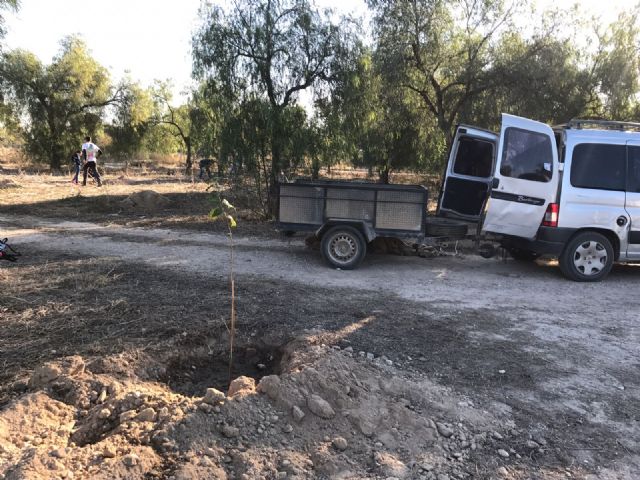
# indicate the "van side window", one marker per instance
pixel 526 155
pixel 474 158
pixel 600 166
pixel 633 172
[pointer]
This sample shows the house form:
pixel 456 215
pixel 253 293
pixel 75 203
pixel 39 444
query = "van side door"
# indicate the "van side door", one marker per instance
pixel 632 202
pixel 467 178
pixel 525 180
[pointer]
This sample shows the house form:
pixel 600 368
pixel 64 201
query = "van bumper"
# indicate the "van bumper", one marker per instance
pixel 548 241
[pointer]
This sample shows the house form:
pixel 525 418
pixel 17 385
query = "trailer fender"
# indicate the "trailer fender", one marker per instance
pixel 363 227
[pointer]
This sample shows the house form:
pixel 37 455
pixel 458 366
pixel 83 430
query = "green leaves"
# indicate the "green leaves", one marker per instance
pixel 222 210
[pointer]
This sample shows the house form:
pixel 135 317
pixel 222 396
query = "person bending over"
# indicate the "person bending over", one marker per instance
pixel 90 154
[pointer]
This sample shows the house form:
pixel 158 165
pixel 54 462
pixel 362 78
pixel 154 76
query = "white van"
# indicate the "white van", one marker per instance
pixel 571 191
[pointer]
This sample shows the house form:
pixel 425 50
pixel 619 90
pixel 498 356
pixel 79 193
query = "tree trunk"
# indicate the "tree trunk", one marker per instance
pixel 315 168
pixel 188 164
pixel 276 161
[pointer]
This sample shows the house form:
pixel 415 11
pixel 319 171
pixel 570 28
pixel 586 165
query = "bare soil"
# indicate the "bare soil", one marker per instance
pixel 447 367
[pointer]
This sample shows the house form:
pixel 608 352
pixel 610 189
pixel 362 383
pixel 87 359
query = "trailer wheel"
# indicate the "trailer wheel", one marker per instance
pixel 343 247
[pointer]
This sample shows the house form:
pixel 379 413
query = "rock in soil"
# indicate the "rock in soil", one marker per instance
pixel 242 386
pixel 320 407
pixel 213 396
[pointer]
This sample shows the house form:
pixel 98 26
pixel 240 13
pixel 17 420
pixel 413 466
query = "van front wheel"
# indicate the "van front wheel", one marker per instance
pixel 588 257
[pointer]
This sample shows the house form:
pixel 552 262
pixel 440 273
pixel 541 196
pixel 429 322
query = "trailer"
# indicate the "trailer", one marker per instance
pixel 348 215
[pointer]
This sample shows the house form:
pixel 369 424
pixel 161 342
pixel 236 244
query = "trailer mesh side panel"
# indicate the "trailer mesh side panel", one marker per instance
pixel 399 210
pixel 353 204
pixel 389 209
pixel 301 204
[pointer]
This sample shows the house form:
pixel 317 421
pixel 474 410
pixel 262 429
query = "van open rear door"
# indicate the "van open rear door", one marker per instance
pixel 525 180
pixel 468 175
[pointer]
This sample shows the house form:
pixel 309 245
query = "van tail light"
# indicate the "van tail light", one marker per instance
pixel 551 215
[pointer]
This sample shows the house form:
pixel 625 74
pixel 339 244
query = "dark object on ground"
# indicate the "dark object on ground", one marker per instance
pixel 7 252
pixel 442 227
pixel 205 166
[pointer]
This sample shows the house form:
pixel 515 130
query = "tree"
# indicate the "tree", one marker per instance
pixel 132 120
pixel 61 102
pixel 616 67
pixel 6 5
pixel 177 119
pixel 442 51
pixel 269 48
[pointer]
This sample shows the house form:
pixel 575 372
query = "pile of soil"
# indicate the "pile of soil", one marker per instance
pixel 145 200
pixel 328 413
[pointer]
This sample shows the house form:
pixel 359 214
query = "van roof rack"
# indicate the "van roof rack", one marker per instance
pixel 601 125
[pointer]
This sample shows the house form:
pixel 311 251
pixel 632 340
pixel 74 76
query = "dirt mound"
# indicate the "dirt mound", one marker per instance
pixel 145 200
pixel 328 414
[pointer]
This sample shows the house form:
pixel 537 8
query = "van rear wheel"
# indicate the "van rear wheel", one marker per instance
pixel 588 257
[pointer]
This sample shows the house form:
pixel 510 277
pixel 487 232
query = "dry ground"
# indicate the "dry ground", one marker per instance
pixel 466 357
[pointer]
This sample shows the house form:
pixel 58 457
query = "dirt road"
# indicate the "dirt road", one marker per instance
pixel 552 357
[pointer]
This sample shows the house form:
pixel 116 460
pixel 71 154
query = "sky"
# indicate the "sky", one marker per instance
pixel 151 39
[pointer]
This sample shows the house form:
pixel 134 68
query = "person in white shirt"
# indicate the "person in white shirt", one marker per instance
pixel 90 154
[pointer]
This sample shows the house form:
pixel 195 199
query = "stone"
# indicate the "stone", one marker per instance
pixel 242 386
pixel 339 443
pixel 281 475
pixel 503 472
pixel 287 428
pixel 297 413
pixel 103 396
pixel 320 407
pixel 230 432
pixel 131 460
pixel 227 459
pixel 59 452
pixel 104 413
pixel 270 386
pixel 531 444
pixel 146 415
pixel 503 453
pixel 213 396
pixel 497 436
pixel 210 452
pixel 109 452
pixel 370 356
pixel 128 416
pixel 43 375
pixel 443 430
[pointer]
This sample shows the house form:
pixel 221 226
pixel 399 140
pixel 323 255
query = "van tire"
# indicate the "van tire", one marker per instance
pixel 587 257
pixel 343 247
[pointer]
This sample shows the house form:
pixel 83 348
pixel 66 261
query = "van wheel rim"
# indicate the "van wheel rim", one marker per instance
pixel 590 258
pixel 343 248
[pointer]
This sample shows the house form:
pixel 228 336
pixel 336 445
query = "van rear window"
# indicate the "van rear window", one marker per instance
pixel 526 155
pixel 600 166
pixel 474 158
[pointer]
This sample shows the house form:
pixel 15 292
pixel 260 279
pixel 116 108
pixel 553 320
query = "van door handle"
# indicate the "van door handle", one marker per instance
pixel 495 183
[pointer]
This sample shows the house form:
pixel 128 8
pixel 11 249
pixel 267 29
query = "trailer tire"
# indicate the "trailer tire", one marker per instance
pixel 444 227
pixel 343 247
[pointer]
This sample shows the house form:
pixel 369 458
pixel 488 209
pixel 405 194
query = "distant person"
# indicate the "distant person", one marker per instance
pixel 205 166
pixel 90 154
pixel 77 163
